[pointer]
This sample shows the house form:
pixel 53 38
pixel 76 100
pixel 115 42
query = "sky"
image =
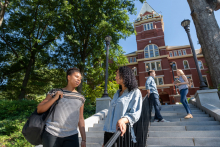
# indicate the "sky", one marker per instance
pixel 174 12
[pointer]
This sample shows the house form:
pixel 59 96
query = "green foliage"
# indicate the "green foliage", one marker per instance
pixel 14 114
pixel 98 91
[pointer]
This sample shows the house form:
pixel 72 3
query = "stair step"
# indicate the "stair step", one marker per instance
pixel 207 141
pixel 185 123
pixel 94 129
pixel 156 141
pixel 179 112
pixel 189 120
pixel 203 128
pixel 182 115
pixel 169 141
pixel 95 134
pixel 97 140
pixel 92 145
pixel 184 134
pixel 185 128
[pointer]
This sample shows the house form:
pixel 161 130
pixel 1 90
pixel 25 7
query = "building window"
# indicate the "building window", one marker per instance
pixel 174 66
pixel 131 60
pixel 171 54
pixel 135 59
pixel 184 52
pixel 185 64
pixel 200 65
pixel 175 53
pixel 205 80
pixel 158 80
pixel 134 69
pixel 180 53
pixel 151 51
pixel 148 26
pixel 190 78
pixel 153 66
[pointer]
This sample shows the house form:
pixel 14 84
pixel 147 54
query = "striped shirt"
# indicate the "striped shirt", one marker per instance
pixel 66 116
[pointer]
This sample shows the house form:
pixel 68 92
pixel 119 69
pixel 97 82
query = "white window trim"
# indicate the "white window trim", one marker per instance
pixel 202 64
pixel 149 50
pixel 135 69
pixel 150 25
pixel 206 79
pixel 174 53
pixel 187 63
pixel 171 53
pixel 150 65
pixel 157 78
pixel 176 66
pixel 135 59
pixel 185 52
pixel 180 52
pixel 153 61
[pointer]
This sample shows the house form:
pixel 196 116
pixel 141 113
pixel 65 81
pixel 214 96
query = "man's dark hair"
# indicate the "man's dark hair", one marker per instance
pixel 128 77
pixel 150 71
pixel 70 71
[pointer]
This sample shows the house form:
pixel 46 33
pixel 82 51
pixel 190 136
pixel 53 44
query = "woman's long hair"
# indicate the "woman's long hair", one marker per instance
pixel 181 71
pixel 128 77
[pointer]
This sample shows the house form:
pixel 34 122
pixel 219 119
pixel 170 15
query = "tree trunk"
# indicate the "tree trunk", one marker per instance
pixel 2 13
pixel 208 33
pixel 26 78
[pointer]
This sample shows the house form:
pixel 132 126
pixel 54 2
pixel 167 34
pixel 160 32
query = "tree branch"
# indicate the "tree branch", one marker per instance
pixel 43 32
pixel 13 50
pixel 48 41
pixel 2 13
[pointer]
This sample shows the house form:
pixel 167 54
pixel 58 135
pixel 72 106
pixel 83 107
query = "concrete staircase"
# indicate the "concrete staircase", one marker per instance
pixel 95 135
pixel 201 130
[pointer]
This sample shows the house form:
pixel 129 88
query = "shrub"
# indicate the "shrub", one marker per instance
pixel 14 114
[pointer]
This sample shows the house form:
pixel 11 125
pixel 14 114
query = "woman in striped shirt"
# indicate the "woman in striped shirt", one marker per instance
pixel 61 129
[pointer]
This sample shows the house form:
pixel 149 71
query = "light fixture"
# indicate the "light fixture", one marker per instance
pixel 108 38
pixel 185 23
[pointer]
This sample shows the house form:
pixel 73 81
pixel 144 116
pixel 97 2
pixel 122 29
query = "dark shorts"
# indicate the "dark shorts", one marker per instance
pixel 49 140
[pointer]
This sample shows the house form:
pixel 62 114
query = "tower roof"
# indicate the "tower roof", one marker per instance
pixel 146 8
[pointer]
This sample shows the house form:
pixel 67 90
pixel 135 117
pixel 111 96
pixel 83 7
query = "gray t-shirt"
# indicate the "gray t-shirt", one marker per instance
pixel 66 116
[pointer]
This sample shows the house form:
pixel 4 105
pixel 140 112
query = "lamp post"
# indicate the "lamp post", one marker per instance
pixel 107 40
pixel 171 64
pixel 185 23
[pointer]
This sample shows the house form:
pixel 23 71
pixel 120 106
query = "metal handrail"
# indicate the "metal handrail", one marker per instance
pixel 140 130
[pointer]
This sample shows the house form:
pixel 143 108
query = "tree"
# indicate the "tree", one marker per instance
pixel 27 35
pixel 208 33
pixel 90 22
pixel 3 6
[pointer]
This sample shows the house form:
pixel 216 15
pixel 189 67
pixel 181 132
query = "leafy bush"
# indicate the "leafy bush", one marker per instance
pixel 14 114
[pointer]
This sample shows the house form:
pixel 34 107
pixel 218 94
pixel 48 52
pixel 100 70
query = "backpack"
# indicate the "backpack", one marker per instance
pixel 35 125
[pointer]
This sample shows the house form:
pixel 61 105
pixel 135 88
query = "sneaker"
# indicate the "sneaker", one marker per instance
pixel 163 120
pixel 188 116
pixel 156 120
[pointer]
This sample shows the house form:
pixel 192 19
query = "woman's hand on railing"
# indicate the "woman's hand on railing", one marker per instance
pixel 121 124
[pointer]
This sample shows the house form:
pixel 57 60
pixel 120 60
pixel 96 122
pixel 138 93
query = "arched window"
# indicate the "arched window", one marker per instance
pixel 185 64
pixel 174 66
pixel 134 69
pixel 200 65
pixel 151 51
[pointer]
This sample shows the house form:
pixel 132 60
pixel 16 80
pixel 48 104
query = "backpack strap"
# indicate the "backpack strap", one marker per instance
pixel 55 106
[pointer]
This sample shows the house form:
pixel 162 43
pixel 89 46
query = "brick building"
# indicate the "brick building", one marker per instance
pixel 152 54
